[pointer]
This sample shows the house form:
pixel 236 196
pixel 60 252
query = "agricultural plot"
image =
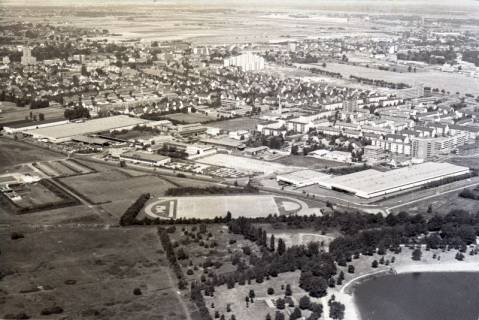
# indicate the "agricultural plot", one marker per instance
pixel 235 124
pixel 89 274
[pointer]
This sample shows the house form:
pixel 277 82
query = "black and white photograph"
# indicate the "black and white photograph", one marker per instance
pixel 239 159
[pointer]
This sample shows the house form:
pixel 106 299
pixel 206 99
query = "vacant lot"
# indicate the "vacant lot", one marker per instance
pixel 188 117
pixel 90 274
pixel 13 153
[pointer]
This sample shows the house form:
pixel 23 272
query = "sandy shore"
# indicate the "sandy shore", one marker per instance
pixel 404 264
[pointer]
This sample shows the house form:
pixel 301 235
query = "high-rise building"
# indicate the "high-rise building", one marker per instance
pixel 428 148
pixel 27 58
pixel 247 62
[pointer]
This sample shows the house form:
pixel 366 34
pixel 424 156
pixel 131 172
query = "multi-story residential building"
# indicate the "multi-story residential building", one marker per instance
pixel 247 62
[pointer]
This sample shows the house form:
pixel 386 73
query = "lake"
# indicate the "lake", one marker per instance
pixel 420 296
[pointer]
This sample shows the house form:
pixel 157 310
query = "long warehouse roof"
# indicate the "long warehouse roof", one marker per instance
pixel 374 181
pixel 91 126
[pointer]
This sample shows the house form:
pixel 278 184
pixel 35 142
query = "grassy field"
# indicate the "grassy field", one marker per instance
pixel 443 204
pixel 308 162
pixel 89 274
pixel 12 113
pixel 235 124
pixel 116 189
pixel 471 162
pixel 13 153
pixel 188 117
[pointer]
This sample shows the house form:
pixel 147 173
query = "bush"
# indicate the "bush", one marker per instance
pixel 137 292
pixel 52 310
pixel 16 236
pixel 350 268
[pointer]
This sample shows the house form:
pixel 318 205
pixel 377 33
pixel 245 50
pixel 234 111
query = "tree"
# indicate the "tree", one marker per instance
pixel 304 302
pixel 296 314
pixel 280 304
pixel 270 291
pixel 271 243
pixel 268 317
pixel 279 316
pixel 281 246
pixel 350 268
pixel 374 264
pixel 288 291
pixel 251 294
pixel 417 254
pixel 336 310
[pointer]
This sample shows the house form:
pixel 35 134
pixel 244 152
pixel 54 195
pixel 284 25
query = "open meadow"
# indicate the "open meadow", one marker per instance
pixel 89 274
pixel 13 153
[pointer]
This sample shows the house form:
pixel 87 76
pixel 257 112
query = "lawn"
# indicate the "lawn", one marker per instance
pixel 89 274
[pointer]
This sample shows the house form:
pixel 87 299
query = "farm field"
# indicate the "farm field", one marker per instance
pixel 13 153
pixel 434 79
pixel 246 164
pixel 90 274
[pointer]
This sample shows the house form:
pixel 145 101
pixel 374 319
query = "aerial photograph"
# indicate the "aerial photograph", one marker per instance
pixel 239 159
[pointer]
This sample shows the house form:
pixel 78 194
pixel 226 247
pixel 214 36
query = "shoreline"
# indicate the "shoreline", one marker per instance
pixel 346 293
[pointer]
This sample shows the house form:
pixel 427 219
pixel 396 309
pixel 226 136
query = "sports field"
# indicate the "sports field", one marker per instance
pixel 207 207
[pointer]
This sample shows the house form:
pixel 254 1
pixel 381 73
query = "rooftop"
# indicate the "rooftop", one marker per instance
pixel 83 128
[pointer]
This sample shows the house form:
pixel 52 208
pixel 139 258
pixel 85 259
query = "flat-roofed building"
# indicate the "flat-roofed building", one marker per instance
pixel 22 125
pixel 150 159
pixel 373 183
pixel 302 178
pixel 66 132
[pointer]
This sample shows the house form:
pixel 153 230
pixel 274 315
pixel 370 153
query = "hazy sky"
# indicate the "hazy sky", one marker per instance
pixel 216 2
